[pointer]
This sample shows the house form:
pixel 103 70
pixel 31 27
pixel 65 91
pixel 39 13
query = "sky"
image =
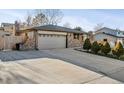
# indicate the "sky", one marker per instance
pixel 85 18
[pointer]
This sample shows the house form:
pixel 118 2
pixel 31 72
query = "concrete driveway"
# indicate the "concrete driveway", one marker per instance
pixel 48 71
pixel 102 65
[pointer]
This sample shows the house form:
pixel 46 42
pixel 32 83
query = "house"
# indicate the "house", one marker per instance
pixel 8 39
pixel 111 35
pixel 50 37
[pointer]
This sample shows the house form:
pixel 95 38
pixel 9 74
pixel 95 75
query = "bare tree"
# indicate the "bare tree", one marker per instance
pixel 52 16
pixel 28 19
pixel 98 26
pixel 39 19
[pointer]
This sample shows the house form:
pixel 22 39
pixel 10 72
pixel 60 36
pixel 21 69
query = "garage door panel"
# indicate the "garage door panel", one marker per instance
pixel 51 41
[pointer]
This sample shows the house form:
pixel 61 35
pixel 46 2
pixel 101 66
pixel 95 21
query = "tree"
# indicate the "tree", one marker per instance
pixel 39 19
pixel 118 50
pixel 95 47
pixel 105 48
pixel 87 44
pixel 98 26
pixel 78 28
pixel 28 20
pixel 52 16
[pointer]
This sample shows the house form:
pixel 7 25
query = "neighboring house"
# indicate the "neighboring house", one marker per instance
pixel 8 40
pixel 8 27
pixel 111 35
pixel 50 37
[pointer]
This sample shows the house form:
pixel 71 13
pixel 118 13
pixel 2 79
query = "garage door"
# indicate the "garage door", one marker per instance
pixel 51 41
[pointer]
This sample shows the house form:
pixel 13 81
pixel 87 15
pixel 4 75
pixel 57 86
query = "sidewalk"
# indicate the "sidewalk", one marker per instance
pixel 47 71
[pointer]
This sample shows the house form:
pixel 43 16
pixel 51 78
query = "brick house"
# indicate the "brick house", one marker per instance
pixel 50 37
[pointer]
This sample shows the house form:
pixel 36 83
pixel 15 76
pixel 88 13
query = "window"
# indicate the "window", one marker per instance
pixel 105 39
pixel 39 34
pixel 76 36
pixel 43 35
pixel 7 34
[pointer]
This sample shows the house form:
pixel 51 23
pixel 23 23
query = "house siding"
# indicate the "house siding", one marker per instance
pixel 110 39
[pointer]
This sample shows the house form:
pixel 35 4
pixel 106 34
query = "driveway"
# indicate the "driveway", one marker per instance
pixel 103 65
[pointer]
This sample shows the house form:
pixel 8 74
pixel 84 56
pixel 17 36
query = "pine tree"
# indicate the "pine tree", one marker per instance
pixel 105 48
pixel 87 44
pixel 118 50
pixel 95 47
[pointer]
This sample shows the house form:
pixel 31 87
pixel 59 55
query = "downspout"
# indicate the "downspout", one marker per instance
pixel 67 40
pixel 36 39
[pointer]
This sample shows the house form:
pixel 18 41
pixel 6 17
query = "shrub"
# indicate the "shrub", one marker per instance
pixel 95 47
pixel 118 50
pixel 87 44
pixel 105 48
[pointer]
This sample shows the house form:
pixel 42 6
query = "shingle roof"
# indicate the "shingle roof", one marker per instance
pixel 109 34
pixel 109 29
pixel 56 28
pixel 7 24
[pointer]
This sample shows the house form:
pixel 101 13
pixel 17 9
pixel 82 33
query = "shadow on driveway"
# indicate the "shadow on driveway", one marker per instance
pixel 21 55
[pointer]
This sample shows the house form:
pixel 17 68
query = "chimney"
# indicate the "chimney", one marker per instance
pixel 16 27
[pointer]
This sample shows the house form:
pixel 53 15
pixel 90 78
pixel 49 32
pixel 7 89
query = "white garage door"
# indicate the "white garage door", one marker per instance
pixel 51 41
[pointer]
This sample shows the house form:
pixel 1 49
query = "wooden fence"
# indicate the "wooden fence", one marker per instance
pixel 9 42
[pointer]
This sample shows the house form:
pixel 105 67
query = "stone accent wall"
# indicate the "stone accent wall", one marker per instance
pixel 1 43
pixel 29 41
pixel 74 42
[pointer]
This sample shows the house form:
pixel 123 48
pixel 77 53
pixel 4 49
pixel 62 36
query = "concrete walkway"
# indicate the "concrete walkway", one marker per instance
pixel 47 70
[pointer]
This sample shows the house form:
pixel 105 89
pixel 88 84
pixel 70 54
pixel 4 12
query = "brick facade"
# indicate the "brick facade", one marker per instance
pixel 30 41
pixel 74 42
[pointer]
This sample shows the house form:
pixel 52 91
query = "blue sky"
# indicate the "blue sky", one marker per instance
pixel 86 18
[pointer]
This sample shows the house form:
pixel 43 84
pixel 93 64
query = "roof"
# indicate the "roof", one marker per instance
pixel 55 28
pixel 109 29
pixel 7 24
pixel 109 34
